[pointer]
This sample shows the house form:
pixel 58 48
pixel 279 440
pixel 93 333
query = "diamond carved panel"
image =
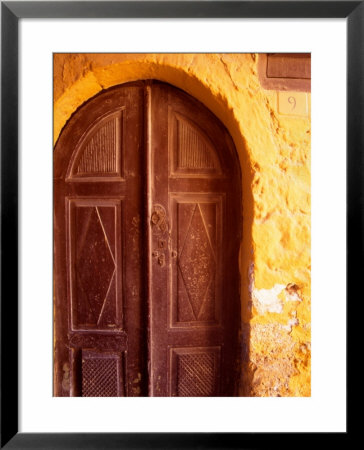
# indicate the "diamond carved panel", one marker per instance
pixel 95 253
pixel 94 279
pixel 197 262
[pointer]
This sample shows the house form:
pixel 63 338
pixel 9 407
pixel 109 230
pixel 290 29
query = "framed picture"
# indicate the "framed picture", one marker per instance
pixel 33 34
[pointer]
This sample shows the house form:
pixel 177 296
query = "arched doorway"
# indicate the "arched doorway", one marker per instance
pixel 147 228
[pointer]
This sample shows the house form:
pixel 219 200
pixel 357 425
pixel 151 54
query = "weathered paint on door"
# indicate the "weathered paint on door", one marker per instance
pixel 147 232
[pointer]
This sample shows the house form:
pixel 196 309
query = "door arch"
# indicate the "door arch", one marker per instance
pixel 147 228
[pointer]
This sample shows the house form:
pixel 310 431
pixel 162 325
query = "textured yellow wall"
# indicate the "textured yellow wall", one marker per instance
pixel 274 151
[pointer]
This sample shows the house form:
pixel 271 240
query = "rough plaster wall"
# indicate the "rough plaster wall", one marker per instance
pixel 274 152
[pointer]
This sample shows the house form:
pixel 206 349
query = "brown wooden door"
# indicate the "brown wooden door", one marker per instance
pixel 147 232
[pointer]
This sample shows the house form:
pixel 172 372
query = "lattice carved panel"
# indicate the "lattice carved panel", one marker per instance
pixel 101 375
pixel 195 372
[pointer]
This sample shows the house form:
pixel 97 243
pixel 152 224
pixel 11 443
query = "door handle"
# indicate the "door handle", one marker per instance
pixel 159 223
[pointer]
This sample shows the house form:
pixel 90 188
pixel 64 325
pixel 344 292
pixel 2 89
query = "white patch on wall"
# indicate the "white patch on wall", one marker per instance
pixel 291 323
pixel 267 300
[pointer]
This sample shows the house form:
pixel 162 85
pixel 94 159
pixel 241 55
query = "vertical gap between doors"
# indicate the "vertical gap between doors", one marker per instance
pixel 147 229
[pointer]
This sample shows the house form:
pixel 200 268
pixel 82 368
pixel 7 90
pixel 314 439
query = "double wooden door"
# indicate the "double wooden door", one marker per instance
pixel 146 241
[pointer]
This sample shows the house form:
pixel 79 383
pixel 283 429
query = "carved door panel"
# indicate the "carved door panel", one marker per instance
pixel 146 227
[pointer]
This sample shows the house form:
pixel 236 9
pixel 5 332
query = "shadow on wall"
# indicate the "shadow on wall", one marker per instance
pixel 246 276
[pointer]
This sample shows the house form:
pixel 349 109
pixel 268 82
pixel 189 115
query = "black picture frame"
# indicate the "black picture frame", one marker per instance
pixel 11 12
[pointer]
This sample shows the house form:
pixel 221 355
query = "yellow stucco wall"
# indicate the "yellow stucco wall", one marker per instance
pixel 274 151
